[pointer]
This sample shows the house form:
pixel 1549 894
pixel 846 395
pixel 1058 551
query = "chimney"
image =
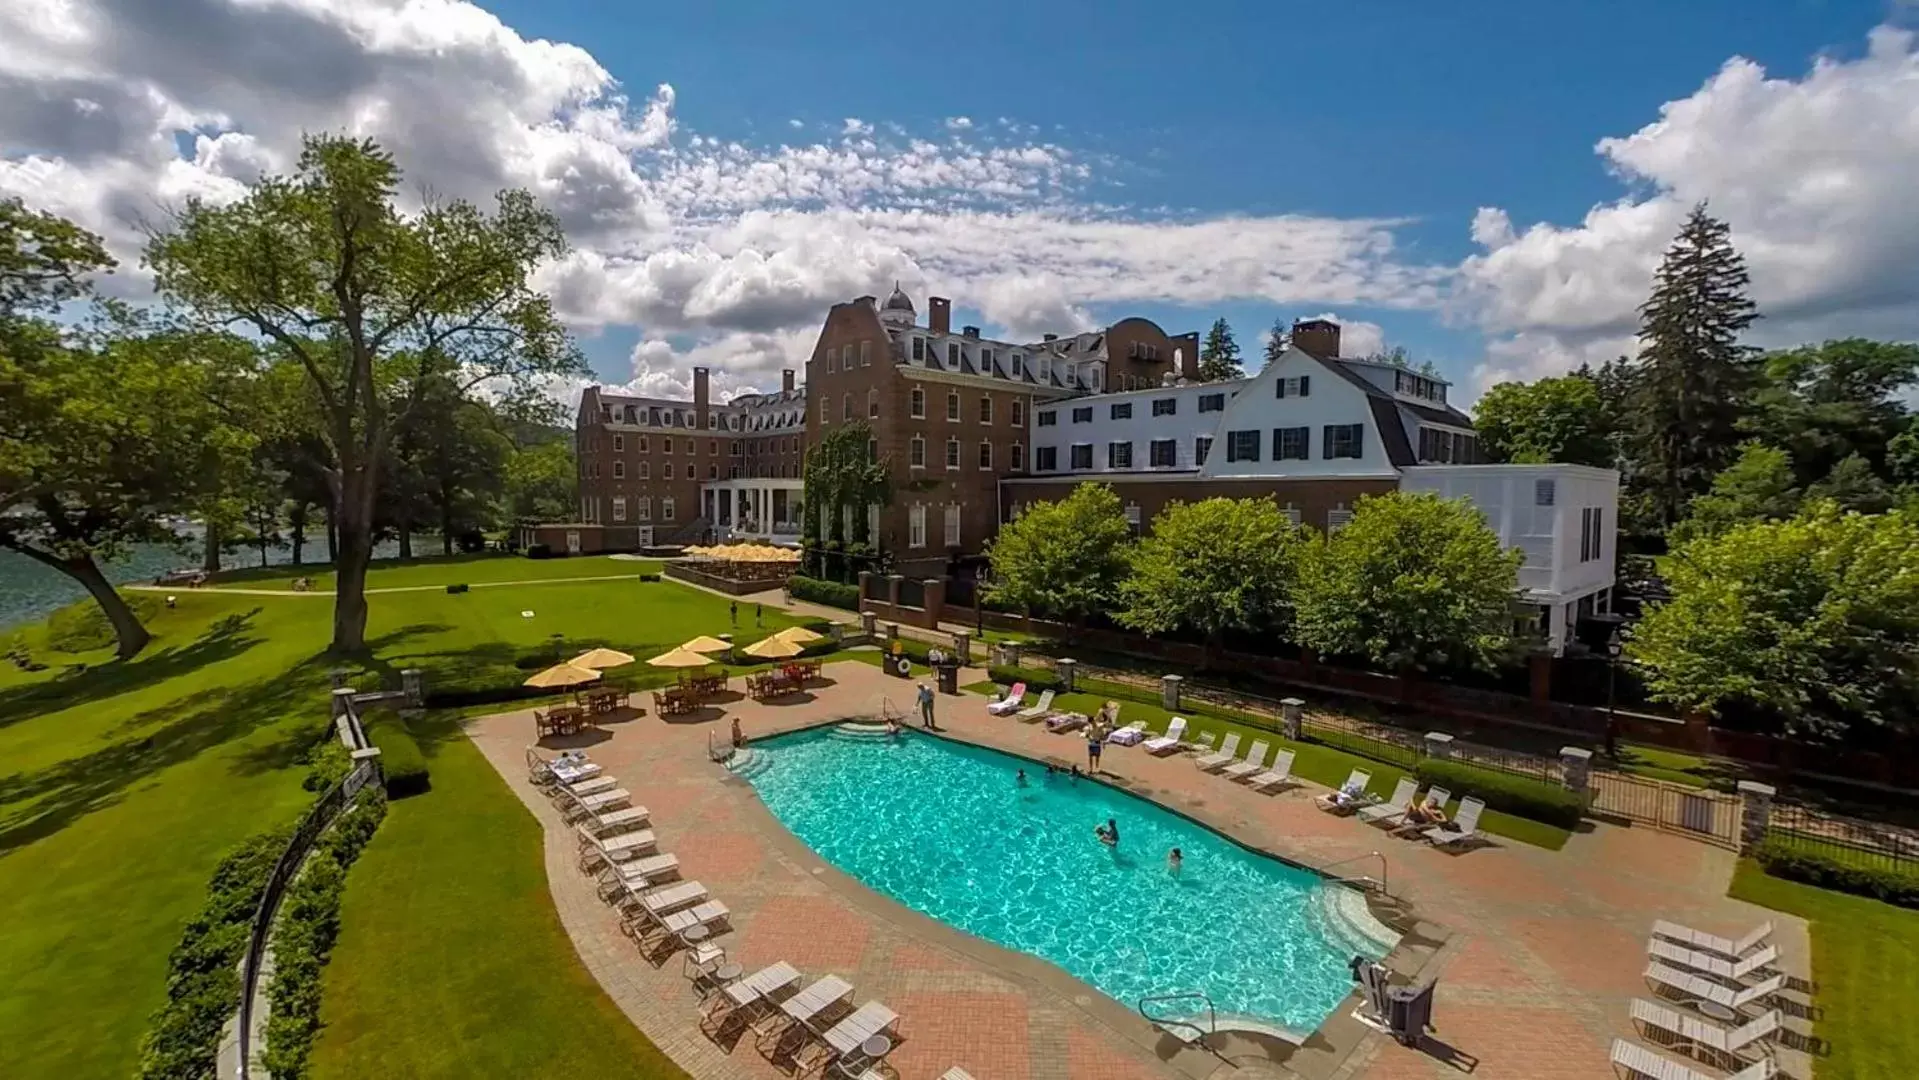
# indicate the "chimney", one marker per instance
pixel 1186 355
pixel 939 314
pixel 970 331
pixel 1049 337
pixel 786 381
pixel 1317 337
pixel 699 398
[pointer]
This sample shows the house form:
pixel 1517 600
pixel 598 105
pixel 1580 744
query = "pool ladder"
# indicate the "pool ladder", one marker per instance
pixel 1369 884
pixel 1179 1025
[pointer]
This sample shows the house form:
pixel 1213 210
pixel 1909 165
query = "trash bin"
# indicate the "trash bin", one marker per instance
pixel 948 678
pixel 1409 1012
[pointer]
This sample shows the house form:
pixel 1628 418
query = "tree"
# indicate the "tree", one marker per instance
pixel 1825 403
pixel 1812 622
pixel 1758 486
pixel 1219 354
pixel 373 305
pixel 452 456
pixel 1412 582
pixel 45 261
pixel 540 482
pixel 842 478
pixel 1551 420
pixel 1278 339
pixel 1214 567
pixel 1854 486
pixel 1693 377
pixel 1063 559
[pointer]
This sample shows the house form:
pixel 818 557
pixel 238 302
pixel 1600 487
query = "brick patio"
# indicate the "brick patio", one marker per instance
pixel 1544 951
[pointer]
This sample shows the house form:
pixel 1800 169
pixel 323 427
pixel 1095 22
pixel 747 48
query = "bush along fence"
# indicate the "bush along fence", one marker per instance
pixel 1834 851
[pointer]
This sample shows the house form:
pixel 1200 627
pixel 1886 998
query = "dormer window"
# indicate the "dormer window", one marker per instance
pixel 1019 366
pixel 919 350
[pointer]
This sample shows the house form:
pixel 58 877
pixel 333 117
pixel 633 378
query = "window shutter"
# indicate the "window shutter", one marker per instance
pixel 1326 437
pixel 1279 387
pixel 1359 440
pixel 1305 385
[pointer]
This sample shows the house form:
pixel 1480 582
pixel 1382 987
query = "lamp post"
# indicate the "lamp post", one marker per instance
pixel 1614 646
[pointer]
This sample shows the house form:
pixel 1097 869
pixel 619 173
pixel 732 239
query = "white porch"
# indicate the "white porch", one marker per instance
pixel 754 508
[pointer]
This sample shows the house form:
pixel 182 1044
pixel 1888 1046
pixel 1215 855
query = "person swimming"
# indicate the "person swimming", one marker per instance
pixel 1108 833
pixel 1173 862
pixel 1021 778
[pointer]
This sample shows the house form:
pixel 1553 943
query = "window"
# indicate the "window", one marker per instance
pixel 826 411
pixel 1591 539
pixel 846 406
pixel 667 444
pixel 619 443
pixel 846 358
pixel 865 359
pixel 1543 492
pixel 619 470
pixel 1337 519
pixel 1162 453
pixel 666 471
pixel 986 361
pixel 1045 369
pixel 1045 459
pixel 916 527
pixel 1016 458
pixel 1292 443
pixel 713 448
pixel 1133 516
pixel 1242 446
pixel 919 349
pixel 873 524
pixel 646 471
pixel 846 521
pixel 1121 411
pixel 952 454
pixel 1343 441
pixel 916 453
pixel 666 508
pixel 952 406
pixel 917 402
pixel 1019 365
pixel 641 447
pixel 619 508
pixel 1082 456
pixel 1083 415
pixel 645 508
pixel 1019 413
pixel 1291 512
pixel 1202 446
pixel 985 409
pixel 832 361
pixel 1301 386
pixel 873 404
pixel 1212 402
pixel 952 524
pixel 712 472
pixel 986 455
pixel 1119 455
pixel 735 450
pixel 952 354
pixel 1166 406
pixel 1046 418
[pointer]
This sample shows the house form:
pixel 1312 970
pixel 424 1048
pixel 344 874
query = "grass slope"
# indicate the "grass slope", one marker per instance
pixel 451 961
pixel 1865 963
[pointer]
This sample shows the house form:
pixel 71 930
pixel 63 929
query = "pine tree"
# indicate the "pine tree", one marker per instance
pixel 1692 376
pixel 1278 339
pixel 1219 354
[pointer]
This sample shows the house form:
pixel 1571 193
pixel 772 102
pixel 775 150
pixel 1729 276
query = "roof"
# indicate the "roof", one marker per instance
pixel 899 301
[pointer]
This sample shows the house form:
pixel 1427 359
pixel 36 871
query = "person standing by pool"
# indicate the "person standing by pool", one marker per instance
pixel 1093 744
pixel 926 706
pixel 1173 861
pixel 739 735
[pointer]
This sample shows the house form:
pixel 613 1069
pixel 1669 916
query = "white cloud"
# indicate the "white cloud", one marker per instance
pixel 959 123
pixel 1814 175
pixel 795 124
pixel 853 125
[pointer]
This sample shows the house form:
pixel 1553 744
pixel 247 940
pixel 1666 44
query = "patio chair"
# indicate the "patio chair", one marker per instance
pixel 1005 706
pixel 1038 710
pixel 752 992
pixel 1169 742
pixel 1465 825
pixel 671 897
pixel 1436 796
pixel 595 850
pixel 1734 971
pixel 603 801
pixel 1393 807
pixel 842 1040
pixel 1280 775
pixel 1660 1024
pixel 798 1011
pixel 1065 721
pixel 594 786
pixel 1713 943
pixel 619 882
pixel 614 822
pixel 1224 756
pixel 1337 799
pixel 1254 763
pixel 1687 986
pixel 1643 1063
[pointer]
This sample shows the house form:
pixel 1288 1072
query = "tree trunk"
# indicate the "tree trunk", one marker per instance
pixel 210 558
pixel 406 537
pixel 131 636
pixel 332 535
pixel 297 528
pixel 355 551
pixel 446 522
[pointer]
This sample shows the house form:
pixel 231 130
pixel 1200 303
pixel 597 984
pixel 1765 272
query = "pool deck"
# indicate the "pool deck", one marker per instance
pixel 1538 953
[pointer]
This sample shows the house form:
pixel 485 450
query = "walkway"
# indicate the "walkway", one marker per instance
pixel 1545 952
pixel 242 591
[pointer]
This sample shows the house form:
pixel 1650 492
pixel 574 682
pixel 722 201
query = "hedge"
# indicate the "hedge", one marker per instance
pixel 1035 679
pixel 1505 792
pixel 1785 858
pixel 400 756
pixel 830 593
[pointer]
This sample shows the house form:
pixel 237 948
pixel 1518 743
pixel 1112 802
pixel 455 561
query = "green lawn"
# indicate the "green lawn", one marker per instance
pixel 447 570
pixel 1865 964
pixel 451 961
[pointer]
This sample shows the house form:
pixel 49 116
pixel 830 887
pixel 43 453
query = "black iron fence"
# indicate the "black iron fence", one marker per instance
pixel 1531 766
pixel 1850 840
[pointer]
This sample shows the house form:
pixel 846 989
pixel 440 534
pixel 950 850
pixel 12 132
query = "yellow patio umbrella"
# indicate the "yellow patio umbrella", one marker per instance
pixel 799 635
pixel 706 643
pixel 560 676
pixel 596 659
pixel 680 658
pixel 773 648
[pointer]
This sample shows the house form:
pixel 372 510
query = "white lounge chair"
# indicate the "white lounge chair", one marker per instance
pixel 1224 756
pixel 956 1073
pixel 1130 735
pixel 1667 1025
pixel 753 991
pixel 1169 742
pixel 1038 710
pixel 1280 775
pixel 1395 806
pixel 1686 985
pixel 1253 763
pixel 1737 971
pixel 1465 824
pixel 617 821
pixel 604 801
pixel 1641 1062
pixel 592 787
pixel 1065 721
pixel 843 1039
pixel 1356 780
pixel 620 882
pixel 798 1011
pixel 617 848
pixel 1438 796
pixel 677 923
pixel 671 897
pixel 1713 943
pixel 1005 706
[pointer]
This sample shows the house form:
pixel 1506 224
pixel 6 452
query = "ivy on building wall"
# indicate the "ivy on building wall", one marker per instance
pixel 841 471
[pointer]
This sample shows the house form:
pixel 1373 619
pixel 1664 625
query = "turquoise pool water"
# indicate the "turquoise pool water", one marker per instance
pixel 946 829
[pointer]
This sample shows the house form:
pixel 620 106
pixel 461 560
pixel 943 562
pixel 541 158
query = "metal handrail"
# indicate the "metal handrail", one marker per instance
pixel 1383 885
pixel 1212 1015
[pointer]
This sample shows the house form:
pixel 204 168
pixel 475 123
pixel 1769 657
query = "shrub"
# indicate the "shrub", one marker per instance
pixel 1506 792
pixel 830 593
pixel 1795 861
pixel 1034 678
pixel 649 577
pixel 328 764
pixel 400 756
pixel 539 551
pixel 82 627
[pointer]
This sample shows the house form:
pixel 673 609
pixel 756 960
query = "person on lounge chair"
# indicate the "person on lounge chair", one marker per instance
pixel 1427 811
pixel 1351 794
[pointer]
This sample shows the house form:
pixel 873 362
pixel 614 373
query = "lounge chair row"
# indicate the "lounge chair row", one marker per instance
pixel 1714 975
pixel 809 1027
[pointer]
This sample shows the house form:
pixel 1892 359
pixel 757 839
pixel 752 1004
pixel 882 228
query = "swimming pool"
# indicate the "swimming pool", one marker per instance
pixel 946 829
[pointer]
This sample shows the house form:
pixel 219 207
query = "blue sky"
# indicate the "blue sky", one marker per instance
pixel 1489 185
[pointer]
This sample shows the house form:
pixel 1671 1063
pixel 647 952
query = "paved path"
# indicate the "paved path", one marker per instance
pixel 241 591
pixel 1544 954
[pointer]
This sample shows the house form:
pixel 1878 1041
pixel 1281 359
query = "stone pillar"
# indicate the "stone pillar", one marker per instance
pixel 413 685
pixel 867 623
pixel 963 647
pixel 342 700
pixel 1169 692
pixel 836 631
pixel 1575 768
pixel 935 600
pixel 1009 654
pixel 1755 814
pixel 1066 668
pixel 866 583
pixel 893 582
pixel 892 632
pixel 1293 711
pixel 1439 745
